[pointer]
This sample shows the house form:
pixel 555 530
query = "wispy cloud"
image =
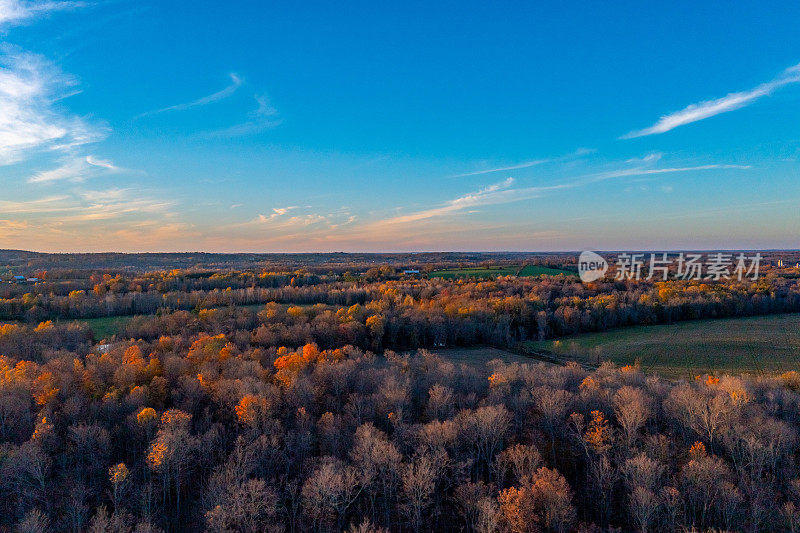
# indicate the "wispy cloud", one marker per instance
pixel 648 159
pixel 88 205
pixel 504 192
pixel 498 193
pixel 710 108
pixel 76 169
pixel 115 218
pixel 30 122
pixel 262 118
pixel 236 82
pixel 638 171
pixel 285 223
pixel 527 164
pixel 278 220
pixel 102 163
pixel 14 12
pixel 47 204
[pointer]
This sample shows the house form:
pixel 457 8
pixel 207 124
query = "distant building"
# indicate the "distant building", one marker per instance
pixel 33 280
pixel 19 279
pixel 410 271
pixel 780 263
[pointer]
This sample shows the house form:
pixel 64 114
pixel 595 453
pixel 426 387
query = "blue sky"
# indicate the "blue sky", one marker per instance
pixel 246 126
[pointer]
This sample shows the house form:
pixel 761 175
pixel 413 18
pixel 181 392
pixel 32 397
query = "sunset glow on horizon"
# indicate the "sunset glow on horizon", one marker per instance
pixel 125 127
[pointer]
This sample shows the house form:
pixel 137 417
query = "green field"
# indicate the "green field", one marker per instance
pixel 493 272
pixel 537 270
pixel 107 326
pixel 764 344
pixel 476 272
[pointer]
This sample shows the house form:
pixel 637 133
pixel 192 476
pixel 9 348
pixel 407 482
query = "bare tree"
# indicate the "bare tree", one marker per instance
pixel 102 522
pixel 631 407
pixel 703 411
pixel 702 479
pixel 553 404
pixel 366 527
pixel 521 459
pixel 34 521
pixel 643 507
pixel 486 428
pixel 440 402
pixel 488 516
pixel 247 506
pixel 642 471
pixel 379 463
pixel 330 490
pixel 419 482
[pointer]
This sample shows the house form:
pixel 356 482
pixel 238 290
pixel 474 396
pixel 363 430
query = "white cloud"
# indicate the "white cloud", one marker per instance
pixel 114 218
pixel 710 108
pixel 262 118
pixel 602 176
pixel 30 119
pixel 649 159
pixel 105 196
pixel 527 164
pixel 236 82
pixel 498 193
pixel 276 212
pixel 102 163
pixel 88 205
pixel 504 193
pixel 14 12
pixel 47 204
pixel 518 166
pixel 278 218
pixel 75 169
pixel 282 224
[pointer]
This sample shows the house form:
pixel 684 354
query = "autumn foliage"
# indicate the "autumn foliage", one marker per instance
pixel 308 400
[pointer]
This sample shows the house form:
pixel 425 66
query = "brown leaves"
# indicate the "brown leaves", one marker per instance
pixel 598 435
pixel 545 501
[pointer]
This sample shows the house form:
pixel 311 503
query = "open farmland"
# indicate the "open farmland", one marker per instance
pixel 765 344
pixel 476 272
pixel 494 271
pixel 538 270
pixel 107 326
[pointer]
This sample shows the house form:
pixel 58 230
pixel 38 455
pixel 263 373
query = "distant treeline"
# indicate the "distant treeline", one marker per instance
pixel 405 313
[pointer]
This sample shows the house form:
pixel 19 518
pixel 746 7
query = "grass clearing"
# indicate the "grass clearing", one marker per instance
pixel 477 272
pixel 538 270
pixel 495 271
pixel 479 356
pixel 107 326
pixel 764 344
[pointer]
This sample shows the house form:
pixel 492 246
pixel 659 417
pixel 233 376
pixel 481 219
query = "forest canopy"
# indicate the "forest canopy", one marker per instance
pixel 252 400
